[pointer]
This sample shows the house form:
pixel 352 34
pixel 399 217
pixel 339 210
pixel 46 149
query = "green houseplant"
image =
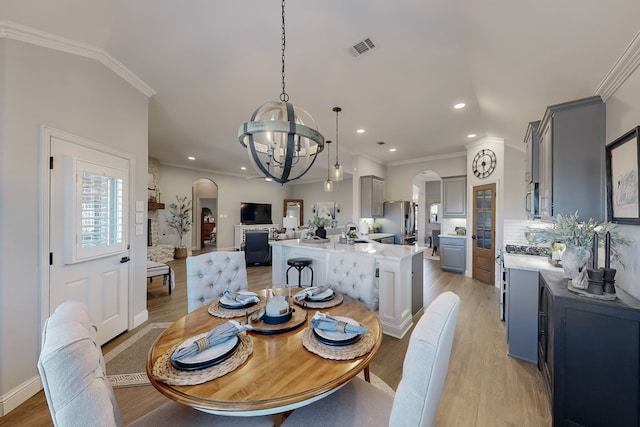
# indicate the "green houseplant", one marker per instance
pixel 180 220
pixel 569 230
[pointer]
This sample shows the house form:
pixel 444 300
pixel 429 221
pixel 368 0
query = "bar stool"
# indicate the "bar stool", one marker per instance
pixel 299 264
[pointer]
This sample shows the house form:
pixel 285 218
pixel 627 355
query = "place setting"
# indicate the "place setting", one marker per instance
pixel 318 297
pixel 337 337
pixel 205 356
pixel 277 316
pixel 235 304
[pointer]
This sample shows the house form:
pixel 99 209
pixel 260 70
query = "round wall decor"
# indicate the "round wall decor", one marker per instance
pixel 484 163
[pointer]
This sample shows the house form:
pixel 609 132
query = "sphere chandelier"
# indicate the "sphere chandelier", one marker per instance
pixel 281 139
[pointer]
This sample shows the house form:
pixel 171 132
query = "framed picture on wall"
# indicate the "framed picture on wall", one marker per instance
pixel 623 162
pixel 326 210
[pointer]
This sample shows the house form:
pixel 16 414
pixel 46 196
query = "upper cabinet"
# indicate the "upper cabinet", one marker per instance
pixel 532 153
pixel 371 196
pixel 571 170
pixel 454 197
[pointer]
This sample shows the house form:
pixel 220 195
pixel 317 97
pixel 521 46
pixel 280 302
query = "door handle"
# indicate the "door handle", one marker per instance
pixel 124 259
pixel 473 237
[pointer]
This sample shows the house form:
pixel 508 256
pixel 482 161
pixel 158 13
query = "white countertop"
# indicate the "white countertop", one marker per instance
pixel 374 236
pixel 529 262
pixel 371 248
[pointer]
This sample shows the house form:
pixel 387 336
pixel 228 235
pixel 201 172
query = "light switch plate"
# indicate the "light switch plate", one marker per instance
pixel 139 217
pixel 139 206
pixel 139 229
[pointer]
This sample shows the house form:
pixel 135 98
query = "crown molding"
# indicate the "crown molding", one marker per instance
pixel 19 32
pixel 621 70
pixel 427 159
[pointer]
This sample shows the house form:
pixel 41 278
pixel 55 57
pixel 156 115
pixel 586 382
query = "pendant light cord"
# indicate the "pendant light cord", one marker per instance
pixel 284 97
pixel 337 110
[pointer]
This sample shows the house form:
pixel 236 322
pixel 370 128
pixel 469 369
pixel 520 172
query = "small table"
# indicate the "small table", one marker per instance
pixel 280 374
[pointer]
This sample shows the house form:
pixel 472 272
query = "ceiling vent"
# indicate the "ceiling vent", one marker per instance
pixel 363 46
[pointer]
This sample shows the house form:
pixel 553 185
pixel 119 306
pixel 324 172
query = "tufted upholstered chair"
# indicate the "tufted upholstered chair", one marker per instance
pixel 418 396
pixel 353 275
pixel 212 273
pixel 78 392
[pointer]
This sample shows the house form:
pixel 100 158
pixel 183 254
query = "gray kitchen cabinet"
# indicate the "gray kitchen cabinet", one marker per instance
pixel 589 355
pixel 572 137
pixel 522 314
pixel 532 169
pixel 371 197
pixel 454 197
pixel 453 253
pixel 416 283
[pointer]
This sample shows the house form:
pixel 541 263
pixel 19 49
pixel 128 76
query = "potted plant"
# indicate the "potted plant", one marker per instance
pixel 376 227
pixel 180 220
pixel 320 224
pixel 577 238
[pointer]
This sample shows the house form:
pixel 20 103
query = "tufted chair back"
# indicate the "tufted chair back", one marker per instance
pixel 73 372
pixel 353 275
pixel 210 274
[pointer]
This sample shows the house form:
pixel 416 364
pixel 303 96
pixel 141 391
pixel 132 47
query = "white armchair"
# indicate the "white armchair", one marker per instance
pixel 354 275
pixel 212 273
pixel 78 392
pixel 418 396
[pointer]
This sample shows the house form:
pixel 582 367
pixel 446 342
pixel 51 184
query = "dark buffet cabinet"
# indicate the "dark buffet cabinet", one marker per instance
pixel 589 355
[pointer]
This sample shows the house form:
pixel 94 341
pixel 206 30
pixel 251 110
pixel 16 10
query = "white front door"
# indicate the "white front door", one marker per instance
pixel 88 227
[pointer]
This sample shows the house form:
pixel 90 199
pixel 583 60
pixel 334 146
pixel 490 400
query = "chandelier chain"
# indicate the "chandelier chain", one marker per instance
pixel 284 97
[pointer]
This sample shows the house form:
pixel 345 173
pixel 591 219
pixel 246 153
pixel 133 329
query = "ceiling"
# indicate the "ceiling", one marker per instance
pixel 212 63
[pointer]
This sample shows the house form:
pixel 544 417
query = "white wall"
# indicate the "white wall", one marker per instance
pixel 231 192
pixel 80 96
pixel 314 192
pixel 398 183
pixel 623 114
pixel 514 188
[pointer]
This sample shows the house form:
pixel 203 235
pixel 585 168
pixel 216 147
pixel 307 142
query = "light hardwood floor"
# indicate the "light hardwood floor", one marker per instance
pixel 484 387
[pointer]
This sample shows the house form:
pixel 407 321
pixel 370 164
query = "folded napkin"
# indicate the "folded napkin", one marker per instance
pixel 215 336
pixel 241 298
pixel 330 324
pixel 313 290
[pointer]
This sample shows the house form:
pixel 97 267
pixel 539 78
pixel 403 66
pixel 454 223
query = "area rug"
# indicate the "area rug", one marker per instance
pixel 126 363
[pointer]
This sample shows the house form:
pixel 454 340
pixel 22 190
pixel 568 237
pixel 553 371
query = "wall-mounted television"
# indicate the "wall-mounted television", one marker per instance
pixel 255 213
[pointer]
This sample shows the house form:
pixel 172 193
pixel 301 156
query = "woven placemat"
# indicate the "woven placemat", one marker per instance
pixel 363 346
pixel 216 310
pixel 164 371
pixel 337 299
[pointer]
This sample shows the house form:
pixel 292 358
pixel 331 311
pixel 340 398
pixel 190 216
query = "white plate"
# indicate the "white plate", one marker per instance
pixel 335 335
pixel 233 303
pixel 322 295
pixel 208 354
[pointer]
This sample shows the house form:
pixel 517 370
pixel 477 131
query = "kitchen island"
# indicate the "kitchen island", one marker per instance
pixel 399 274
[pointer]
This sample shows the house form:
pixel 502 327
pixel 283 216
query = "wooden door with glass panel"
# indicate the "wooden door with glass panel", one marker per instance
pixel 484 218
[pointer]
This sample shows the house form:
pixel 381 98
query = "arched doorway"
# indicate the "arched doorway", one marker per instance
pixel 205 214
pixel 427 184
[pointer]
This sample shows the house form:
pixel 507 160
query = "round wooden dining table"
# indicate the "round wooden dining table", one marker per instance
pixel 278 376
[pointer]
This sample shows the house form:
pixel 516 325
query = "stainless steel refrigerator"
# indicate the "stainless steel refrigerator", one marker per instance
pixel 400 219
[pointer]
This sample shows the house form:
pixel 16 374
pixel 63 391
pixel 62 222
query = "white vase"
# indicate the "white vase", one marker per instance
pixel 574 264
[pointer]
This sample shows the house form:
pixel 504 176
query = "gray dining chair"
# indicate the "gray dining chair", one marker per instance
pixel 78 392
pixel 212 273
pixel 354 275
pixel 416 402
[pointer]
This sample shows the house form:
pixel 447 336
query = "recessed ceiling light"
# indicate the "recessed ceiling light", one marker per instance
pixel 360 131
pixel 191 158
pixel 459 105
pixel 471 135
pixel 392 149
pixel 244 168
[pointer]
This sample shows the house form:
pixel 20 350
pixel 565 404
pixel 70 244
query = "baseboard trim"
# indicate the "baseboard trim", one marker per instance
pixel 140 318
pixel 19 395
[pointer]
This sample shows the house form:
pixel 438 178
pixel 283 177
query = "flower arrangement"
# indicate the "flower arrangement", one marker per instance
pixel 323 222
pixel 568 230
pixel 180 216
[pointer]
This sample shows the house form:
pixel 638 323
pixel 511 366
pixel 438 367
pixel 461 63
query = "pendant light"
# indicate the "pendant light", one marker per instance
pixel 337 169
pixel 281 139
pixel 328 184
